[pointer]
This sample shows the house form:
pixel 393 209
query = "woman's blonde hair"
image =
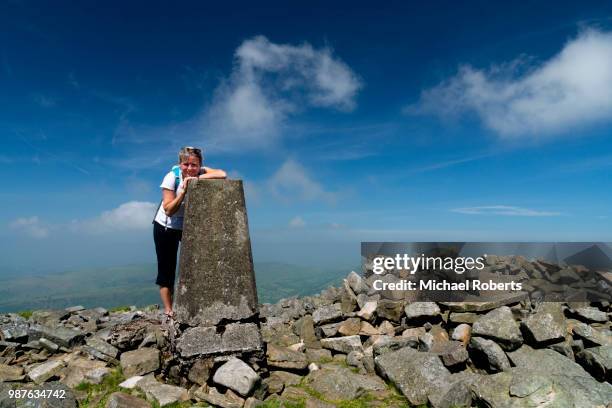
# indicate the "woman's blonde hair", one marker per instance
pixel 187 151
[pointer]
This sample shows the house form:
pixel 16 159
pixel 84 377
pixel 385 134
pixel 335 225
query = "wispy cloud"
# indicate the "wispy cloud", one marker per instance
pixel 269 83
pixel 73 81
pixel 297 222
pixel 44 101
pixel 504 210
pixel 572 89
pixel 448 163
pixel 252 107
pixel 30 226
pixel 291 182
pixel 130 216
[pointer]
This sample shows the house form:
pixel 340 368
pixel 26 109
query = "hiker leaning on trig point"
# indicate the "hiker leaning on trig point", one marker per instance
pixel 168 222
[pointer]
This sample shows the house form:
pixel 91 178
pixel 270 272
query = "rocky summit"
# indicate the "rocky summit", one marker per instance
pixel 345 347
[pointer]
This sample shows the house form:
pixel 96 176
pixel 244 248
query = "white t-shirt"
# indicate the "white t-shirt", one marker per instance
pixel 175 221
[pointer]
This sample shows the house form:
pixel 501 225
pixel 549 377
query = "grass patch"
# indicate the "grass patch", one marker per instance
pixel 97 394
pixel 277 403
pixel 26 314
pixel 179 404
pixel 120 309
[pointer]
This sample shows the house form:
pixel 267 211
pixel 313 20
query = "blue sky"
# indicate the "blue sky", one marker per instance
pixel 347 123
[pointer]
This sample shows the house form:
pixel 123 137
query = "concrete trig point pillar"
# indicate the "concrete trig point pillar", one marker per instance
pixel 216 293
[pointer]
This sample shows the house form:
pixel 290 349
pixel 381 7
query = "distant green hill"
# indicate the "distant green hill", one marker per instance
pixel 134 285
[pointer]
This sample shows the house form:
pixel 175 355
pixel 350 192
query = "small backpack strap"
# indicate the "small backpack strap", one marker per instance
pixel 177 180
pixel 177 176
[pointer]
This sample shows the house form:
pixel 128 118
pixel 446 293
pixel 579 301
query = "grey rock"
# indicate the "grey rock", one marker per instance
pixel 93 315
pixel 61 397
pixel 45 371
pixel 343 344
pixel 49 318
pixel 236 338
pixel 357 283
pixel 525 387
pixel 456 392
pixel 418 375
pixel 278 380
pixel 564 348
pixel 591 335
pixel 451 353
pixel 326 314
pixel 390 309
pixel 61 336
pixel 217 399
pixel 546 325
pixel 597 361
pixel 162 394
pixel 217 279
pixel 463 317
pixel 6 399
pixel 10 373
pixel 422 309
pixel 591 314
pixel 48 345
pixel 490 353
pixel 102 347
pixel 489 304
pixel 328 330
pixel 140 362
pixel 340 383
pixel 83 370
pixel 277 331
pixel 200 371
pixel 354 358
pixel 350 327
pixel 283 357
pixel 304 328
pixel 97 375
pixel 14 332
pixel 499 325
pixel 318 355
pixel 131 382
pixel 348 300
pixel 74 309
pixel 386 344
pixel 462 333
pixel 123 400
pixel 236 375
pixel 368 309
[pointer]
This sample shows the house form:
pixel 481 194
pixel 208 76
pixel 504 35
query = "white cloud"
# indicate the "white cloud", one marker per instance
pixel 44 101
pixel 504 210
pixel 297 222
pixel 30 226
pixel 570 90
pixel 133 215
pixel 270 82
pixel 291 182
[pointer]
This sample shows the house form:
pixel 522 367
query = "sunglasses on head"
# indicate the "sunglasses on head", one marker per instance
pixel 193 149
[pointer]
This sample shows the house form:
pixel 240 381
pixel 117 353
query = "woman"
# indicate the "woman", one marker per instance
pixel 168 223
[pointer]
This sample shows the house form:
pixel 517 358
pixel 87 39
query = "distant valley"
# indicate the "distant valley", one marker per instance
pixel 134 285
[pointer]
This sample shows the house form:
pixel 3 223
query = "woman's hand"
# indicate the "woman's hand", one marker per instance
pixel 213 174
pixel 186 181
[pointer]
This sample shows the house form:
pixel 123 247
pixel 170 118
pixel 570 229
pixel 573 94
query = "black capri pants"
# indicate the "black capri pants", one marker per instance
pixel 166 247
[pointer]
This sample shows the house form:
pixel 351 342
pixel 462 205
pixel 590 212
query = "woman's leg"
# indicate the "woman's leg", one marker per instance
pixel 166 247
pixel 166 296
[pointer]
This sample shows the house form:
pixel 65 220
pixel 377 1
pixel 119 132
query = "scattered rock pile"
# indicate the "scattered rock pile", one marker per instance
pixel 347 343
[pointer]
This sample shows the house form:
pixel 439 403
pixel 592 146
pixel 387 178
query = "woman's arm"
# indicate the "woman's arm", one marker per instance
pixel 172 201
pixel 213 174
